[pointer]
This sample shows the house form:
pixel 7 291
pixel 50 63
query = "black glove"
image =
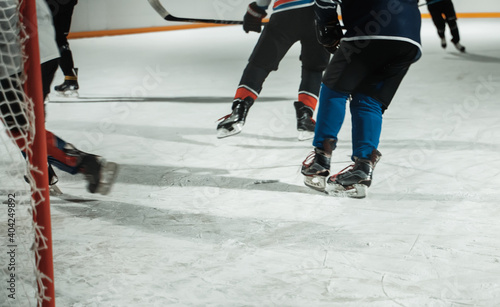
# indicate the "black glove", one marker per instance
pixel 329 35
pixel 253 18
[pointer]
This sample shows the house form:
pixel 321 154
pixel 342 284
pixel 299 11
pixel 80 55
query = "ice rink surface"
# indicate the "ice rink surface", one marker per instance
pixel 191 223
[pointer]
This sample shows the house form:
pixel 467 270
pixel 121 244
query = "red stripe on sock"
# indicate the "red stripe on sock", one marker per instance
pixel 57 153
pixel 308 100
pixel 242 93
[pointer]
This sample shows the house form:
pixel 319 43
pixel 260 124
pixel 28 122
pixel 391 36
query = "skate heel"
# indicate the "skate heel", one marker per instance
pixel 317 183
pixel 361 191
pixel 354 191
pixel 109 172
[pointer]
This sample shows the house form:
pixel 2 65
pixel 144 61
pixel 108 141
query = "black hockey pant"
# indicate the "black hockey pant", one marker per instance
pixel 283 30
pixel 444 12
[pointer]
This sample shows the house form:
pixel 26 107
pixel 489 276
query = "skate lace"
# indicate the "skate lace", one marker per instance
pixel 224 117
pixel 308 161
pixel 344 170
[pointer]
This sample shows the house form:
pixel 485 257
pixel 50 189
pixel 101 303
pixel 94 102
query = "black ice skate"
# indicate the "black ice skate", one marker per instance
pixel 232 124
pixel 316 166
pixel 354 180
pixel 305 122
pixel 459 47
pixel 100 174
pixel 70 85
pixel 443 42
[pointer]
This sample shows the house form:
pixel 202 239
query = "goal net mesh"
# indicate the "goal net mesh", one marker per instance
pixel 24 240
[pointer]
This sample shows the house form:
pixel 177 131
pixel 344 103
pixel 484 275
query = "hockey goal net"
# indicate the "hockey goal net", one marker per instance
pixel 26 241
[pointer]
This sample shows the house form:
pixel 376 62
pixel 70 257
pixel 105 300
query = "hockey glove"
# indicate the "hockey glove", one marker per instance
pixel 253 18
pixel 329 35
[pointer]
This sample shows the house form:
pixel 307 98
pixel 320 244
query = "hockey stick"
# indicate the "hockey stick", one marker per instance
pixel 167 16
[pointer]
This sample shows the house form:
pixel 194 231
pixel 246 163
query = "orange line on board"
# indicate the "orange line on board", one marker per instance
pixel 140 30
pixel 206 25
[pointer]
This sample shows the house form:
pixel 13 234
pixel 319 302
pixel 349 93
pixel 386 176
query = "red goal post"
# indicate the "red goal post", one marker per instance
pixel 24 159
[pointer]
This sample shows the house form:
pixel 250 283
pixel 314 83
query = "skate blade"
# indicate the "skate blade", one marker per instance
pixel 223 132
pixel 54 190
pixel 355 191
pixel 317 183
pixel 305 135
pixel 108 176
pixel 68 93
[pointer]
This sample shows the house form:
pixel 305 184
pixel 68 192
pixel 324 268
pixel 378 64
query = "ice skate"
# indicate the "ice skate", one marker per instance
pixel 305 122
pixel 354 180
pixel 232 123
pixel 54 190
pixel 69 88
pixel 99 174
pixel 459 47
pixel 443 42
pixel 53 179
pixel 316 166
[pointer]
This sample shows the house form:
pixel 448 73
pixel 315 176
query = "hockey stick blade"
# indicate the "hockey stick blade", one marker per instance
pixel 158 7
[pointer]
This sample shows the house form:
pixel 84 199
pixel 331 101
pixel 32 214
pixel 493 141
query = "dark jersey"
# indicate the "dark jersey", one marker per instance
pixel 374 19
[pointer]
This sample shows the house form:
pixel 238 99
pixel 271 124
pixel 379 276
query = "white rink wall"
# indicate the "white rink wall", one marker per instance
pixel 95 15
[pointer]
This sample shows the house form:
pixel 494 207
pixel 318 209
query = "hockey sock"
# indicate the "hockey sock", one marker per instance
pixel 253 77
pixel 61 154
pixel 70 78
pixel 454 30
pixel 244 91
pixel 441 33
pixel 366 115
pixel 331 113
pixel 66 60
pixel 308 99
pixel 310 83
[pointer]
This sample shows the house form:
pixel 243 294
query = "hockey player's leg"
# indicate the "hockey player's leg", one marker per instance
pixel 99 173
pixel 366 117
pixel 246 94
pixel 316 166
pixel 439 22
pixel 306 104
pixel 273 44
pixel 331 113
pixel 70 86
pixel 61 16
pixel 304 110
pixel 314 58
pixel 250 86
pixel 448 10
pixel 232 123
pixel 265 58
pixel 452 23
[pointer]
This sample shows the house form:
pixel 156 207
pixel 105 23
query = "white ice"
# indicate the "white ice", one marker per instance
pixel 188 224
